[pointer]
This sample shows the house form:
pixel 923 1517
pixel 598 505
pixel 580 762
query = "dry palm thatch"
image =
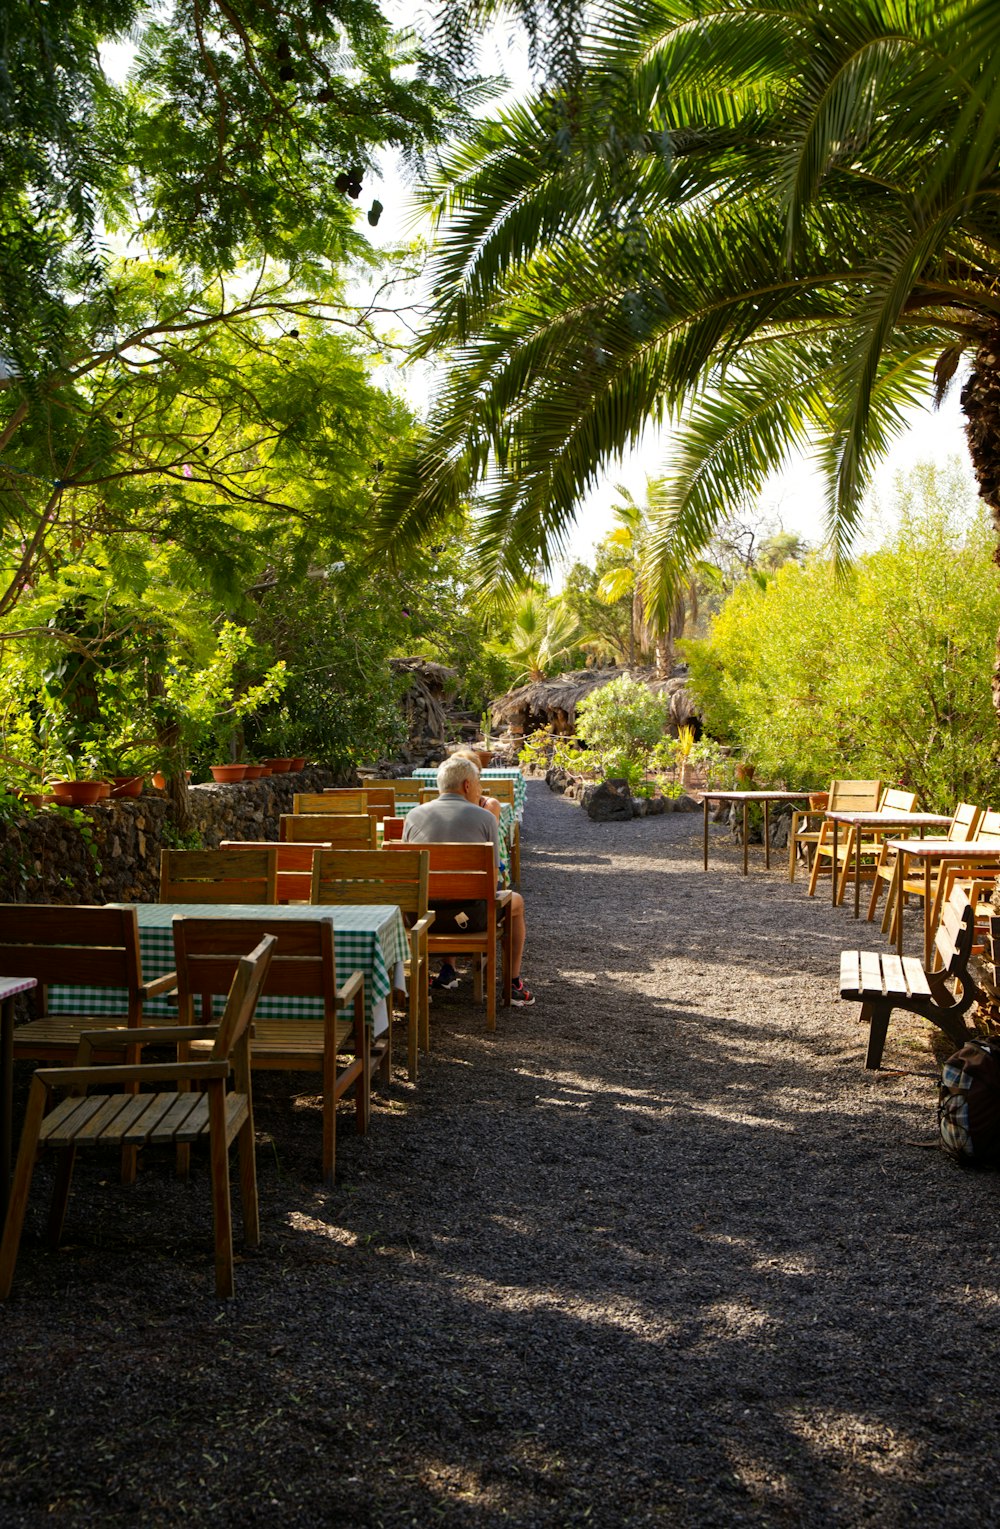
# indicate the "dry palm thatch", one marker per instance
pixel 552 703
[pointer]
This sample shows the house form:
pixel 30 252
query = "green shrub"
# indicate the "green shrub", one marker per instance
pixel 623 723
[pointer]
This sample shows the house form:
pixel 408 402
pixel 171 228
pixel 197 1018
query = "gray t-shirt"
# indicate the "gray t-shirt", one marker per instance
pixel 452 820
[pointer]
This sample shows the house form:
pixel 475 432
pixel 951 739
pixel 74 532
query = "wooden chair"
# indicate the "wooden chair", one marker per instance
pixel 882 983
pixel 963 827
pixel 303 966
pixel 128 1119
pixel 429 794
pixel 504 792
pixel 244 874
pixel 805 830
pixel 871 840
pixel 977 878
pixel 295 863
pixel 406 790
pixel 352 876
pixel 334 801
pixel 392 828
pixel 845 796
pixel 77 947
pixel 465 873
pixel 380 802
pixel 335 830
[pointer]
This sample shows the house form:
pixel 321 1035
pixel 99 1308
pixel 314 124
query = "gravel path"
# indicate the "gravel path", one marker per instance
pixel 658 1252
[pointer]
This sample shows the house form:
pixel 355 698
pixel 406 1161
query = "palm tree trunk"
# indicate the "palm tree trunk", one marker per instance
pixel 981 407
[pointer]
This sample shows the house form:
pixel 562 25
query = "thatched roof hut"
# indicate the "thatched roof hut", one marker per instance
pixel 552 703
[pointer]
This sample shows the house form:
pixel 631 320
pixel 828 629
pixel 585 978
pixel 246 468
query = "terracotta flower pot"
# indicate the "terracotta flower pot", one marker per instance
pixel 280 766
pixel 299 762
pixel 255 772
pixel 485 757
pixel 127 785
pixel 78 793
pixel 228 774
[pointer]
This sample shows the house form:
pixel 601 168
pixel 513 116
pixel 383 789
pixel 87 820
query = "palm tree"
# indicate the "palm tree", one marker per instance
pixel 776 227
pixel 542 636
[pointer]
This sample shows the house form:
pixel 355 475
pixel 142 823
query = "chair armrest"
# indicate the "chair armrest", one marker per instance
pixel 355 981
pixel 422 924
pixel 159 985
pixel 503 899
pixel 149 1035
pixel 142 1072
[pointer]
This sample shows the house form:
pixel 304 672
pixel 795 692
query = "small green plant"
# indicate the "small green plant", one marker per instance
pixel 623 724
pixel 537 748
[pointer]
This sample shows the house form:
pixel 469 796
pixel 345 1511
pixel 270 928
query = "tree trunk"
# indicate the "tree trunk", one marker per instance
pixel 981 407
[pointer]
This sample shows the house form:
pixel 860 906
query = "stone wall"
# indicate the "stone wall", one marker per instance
pixel 111 852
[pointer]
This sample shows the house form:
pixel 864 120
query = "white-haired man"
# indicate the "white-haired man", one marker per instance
pixel 456 818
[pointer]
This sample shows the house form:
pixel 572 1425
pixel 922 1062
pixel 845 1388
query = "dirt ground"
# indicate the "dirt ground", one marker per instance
pixel 659 1251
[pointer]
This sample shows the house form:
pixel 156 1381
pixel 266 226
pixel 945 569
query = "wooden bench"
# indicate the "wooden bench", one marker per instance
pixel 883 982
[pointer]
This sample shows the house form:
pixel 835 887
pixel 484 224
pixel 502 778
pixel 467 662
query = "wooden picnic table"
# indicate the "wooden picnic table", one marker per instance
pixel 876 821
pixel 933 852
pixel 746 797
pixel 9 989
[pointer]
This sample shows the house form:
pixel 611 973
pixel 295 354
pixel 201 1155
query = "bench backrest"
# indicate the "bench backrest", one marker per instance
pixel 953 940
pixel 460 872
pixel 79 946
pixel 392 828
pixel 208 953
pixel 355 876
pixel 244 874
pixel 341 829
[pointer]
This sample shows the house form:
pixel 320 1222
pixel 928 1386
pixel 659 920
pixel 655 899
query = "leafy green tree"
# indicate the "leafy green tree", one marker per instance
pixel 801 246
pixel 881 675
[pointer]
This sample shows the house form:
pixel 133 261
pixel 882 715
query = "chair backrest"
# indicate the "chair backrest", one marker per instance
pixel 79 946
pixel 248 982
pixel 955 931
pixel 429 794
pixel 208 952
pixel 344 830
pixel 988 831
pixel 335 800
pixel 240 875
pixel 854 795
pixel 503 790
pixel 894 800
pixel 353 876
pixel 295 863
pixel 459 872
pixel 392 828
pixel 406 790
pixel 964 822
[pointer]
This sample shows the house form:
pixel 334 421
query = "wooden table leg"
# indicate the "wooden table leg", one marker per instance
pixel 833 877
pixel 745 845
pixel 6 1098
pixel 767 837
pixel 857 873
pixel 705 805
pixel 928 914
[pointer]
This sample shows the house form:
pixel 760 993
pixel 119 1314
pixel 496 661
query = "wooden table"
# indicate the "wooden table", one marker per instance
pixel 9 989
pixel 933 852
pixel 876 822
pixel 746 797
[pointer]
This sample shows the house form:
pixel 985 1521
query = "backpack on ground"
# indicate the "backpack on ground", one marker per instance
pixel 969 1103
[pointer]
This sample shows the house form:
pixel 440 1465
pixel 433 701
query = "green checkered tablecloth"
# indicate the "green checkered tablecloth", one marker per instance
pixel 371 940
pixel 500 772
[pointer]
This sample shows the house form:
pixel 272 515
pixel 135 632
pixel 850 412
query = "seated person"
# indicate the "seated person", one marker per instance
pixel 457 818
pixel 489 803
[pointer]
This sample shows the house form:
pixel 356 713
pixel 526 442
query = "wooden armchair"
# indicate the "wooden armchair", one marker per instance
pixel 337 830
pixel 350 876
pixel 504 792
pixel 845 796
pixel 333 801
pixel 963 827
pixel 242 874
pixel 128 1119
pixel 871 840
pixel 303 966
pixel 295 863
pixel 92 950
pixel 466 873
